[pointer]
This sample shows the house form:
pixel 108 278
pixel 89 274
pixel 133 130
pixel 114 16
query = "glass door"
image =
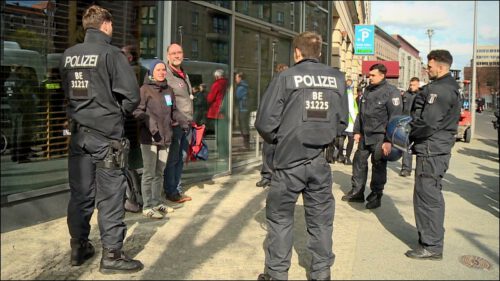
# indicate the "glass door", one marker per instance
pixel 256 53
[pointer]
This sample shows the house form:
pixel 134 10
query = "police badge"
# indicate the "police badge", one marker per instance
pixel 395 101
pixel 432 98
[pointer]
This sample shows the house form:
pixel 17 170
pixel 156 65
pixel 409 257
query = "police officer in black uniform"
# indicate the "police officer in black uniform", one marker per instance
pixel 408 98
pixel 435 113
pixel 379 103
pixel 101 89
pixel 299 114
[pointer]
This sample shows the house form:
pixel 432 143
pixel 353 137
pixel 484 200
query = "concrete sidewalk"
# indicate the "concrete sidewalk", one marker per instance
pixel 220 234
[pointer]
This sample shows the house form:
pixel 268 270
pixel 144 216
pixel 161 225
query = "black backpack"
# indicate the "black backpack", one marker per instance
pixel 133 196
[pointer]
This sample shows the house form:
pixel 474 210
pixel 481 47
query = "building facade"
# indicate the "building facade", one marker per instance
pixel 410 64
pixel 347 14
pixel 248 36
pixel 386 49
pixel 487 74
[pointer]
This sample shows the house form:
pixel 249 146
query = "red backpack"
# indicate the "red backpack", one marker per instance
pixel 198 148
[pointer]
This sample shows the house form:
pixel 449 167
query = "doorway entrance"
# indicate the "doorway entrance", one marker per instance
pixel 256 53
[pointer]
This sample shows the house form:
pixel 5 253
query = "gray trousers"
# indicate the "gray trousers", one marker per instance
pixel 314 181
pixel 154 160
pixel 428 201
pixel 92 187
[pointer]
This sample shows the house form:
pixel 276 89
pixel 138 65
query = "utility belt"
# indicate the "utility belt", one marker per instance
pixel 118 150
pixel 117 155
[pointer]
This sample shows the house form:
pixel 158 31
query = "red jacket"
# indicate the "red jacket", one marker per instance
pixel 215 97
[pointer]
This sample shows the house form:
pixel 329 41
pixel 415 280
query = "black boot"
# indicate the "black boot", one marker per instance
pixel 115 261
pixel 374 200
pixel 81 250
pixel 353 196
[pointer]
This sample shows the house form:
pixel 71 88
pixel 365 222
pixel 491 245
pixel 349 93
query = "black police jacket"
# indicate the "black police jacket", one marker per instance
pixel 378 105
pixel 435 113
pixel 408 98
pixel 99 84
pixel 300 112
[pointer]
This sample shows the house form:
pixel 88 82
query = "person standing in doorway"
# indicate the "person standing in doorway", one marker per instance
pixel 101 88
pixel 242 99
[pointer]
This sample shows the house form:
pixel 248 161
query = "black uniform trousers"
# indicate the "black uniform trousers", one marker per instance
pixel 314 181
pixel 406 163
pixel 267 158
pixel 360 169
pixel 428 201
pixel 92 187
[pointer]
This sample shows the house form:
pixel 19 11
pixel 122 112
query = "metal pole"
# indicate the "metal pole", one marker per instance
pixel 473 82
pixel 430 32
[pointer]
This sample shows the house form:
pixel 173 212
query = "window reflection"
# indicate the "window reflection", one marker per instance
pixel 282 13
pixel 206 48
pixel 34 124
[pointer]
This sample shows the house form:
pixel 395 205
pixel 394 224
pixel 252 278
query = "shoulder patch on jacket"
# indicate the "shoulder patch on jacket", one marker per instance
pixel 395 101
pixel 432 98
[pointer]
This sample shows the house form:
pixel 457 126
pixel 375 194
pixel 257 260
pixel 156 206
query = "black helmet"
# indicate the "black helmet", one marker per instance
pixel 394 155
pixel 398 131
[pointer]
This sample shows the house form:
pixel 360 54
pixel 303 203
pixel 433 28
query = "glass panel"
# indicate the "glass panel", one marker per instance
pixel 256 55
pixel 224 4
pixel 34 36
pixel 316 20
pixel 206 49
pixel 282 13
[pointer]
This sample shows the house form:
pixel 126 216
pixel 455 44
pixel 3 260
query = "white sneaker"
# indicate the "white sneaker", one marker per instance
pixel 152 213
pixel 164 209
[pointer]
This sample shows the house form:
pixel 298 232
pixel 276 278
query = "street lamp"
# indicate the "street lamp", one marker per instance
pixel 430 32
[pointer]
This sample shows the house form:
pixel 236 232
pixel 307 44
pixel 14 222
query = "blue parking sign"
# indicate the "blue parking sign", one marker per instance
pixel 364 40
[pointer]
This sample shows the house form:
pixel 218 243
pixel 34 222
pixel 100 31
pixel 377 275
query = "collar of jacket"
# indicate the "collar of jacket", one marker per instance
pixel 307 60
pixel 447 75
pixel 372 86
pixel 174 71
pixel 95 35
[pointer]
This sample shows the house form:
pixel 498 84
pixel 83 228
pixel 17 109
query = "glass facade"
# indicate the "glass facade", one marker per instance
pixel 233 36
pixel 34 35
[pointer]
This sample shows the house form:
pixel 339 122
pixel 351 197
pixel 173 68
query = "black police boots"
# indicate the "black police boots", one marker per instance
pixel 81 250
pixel 354 197
pixel 115 261
pixel 374 200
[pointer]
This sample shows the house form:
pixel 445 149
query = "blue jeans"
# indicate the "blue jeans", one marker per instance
pixel 175 161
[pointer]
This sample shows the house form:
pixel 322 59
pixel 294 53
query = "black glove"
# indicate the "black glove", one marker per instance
pixel 157 137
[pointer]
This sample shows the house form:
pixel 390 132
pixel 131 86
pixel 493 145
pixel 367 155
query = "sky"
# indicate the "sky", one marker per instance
pixel 452 22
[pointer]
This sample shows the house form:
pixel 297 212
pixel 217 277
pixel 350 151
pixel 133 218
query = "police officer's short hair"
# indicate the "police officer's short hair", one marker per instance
pixel 380 67
pixel 309 43
pixel 414 79
pixel 219 73
pixel 442 56
pixel 95 16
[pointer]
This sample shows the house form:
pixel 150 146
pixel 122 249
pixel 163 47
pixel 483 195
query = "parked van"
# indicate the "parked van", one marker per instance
pixel 25 58
pixel 199 71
